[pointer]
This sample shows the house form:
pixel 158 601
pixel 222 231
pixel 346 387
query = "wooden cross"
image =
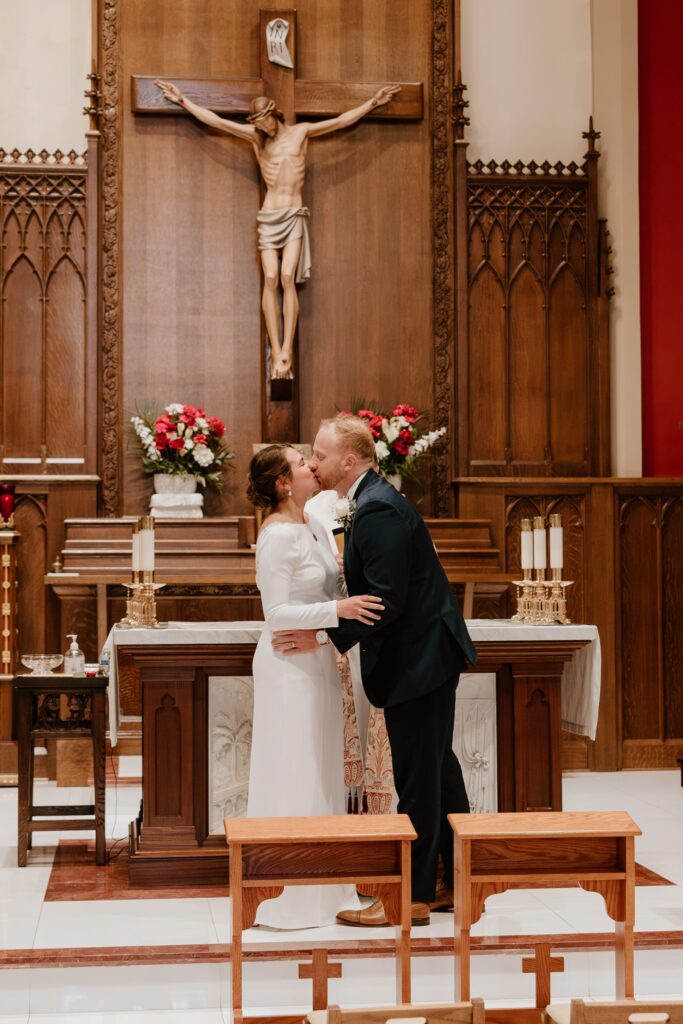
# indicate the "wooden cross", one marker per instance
pixel 320 971
pixel 542 964
pixel 293 96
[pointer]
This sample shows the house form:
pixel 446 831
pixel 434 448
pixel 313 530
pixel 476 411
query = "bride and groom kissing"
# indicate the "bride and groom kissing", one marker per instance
pixel 413 647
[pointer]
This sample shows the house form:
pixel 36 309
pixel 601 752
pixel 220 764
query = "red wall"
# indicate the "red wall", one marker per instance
pixel 660 87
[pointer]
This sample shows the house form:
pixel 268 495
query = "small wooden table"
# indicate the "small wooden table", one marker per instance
pixel 495 852
pixel 369 851
pixel 60 707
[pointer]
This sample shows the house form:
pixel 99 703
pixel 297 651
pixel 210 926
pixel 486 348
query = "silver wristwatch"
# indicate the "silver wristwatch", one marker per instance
pixel 322 637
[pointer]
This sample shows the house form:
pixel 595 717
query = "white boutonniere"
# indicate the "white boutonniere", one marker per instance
pixel 344 511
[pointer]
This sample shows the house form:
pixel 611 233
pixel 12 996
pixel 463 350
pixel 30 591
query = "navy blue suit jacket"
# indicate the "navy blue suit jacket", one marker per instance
pixel 421 639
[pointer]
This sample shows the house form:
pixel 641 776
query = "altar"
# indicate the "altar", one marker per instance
pixel 196 701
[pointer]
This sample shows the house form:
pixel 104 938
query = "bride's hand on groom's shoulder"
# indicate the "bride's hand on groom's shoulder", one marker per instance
pixel 363 607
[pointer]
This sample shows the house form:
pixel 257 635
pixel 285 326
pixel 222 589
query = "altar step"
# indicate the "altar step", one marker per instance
pixel 218 550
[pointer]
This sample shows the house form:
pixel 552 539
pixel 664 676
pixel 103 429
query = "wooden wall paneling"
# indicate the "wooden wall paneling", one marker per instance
pixel 640 594
pixel 672 617
pixel 601 608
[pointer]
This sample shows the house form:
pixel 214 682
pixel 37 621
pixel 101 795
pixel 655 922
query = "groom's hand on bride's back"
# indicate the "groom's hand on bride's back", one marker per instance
pixel 295 641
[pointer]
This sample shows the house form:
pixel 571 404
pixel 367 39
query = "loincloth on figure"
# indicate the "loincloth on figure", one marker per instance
pixel 278 227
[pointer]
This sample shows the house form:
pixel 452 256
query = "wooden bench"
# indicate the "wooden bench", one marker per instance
pixel 625 1012
pixel 370 851
pixel 60 707
pixel 495 852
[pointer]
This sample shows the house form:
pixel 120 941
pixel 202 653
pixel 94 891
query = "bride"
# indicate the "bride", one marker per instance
pixel 297 746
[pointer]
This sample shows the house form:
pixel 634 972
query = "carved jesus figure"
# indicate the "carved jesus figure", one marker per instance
pixel 282 221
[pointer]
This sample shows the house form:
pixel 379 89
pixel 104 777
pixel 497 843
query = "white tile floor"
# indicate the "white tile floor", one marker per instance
pixel 198 992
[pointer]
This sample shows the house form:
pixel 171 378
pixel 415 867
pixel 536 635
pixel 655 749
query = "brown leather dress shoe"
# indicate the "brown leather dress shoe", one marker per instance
pixel 374 916
pixel 443 900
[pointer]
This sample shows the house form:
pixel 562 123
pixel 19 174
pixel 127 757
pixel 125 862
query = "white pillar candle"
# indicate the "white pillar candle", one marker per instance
pixel 136 548
pixel 556 542
pixel 527 544
pixel 147 544
pixel 540 558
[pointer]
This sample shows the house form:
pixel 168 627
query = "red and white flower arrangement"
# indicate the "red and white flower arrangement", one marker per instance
pixel 398 440
pixel 183 441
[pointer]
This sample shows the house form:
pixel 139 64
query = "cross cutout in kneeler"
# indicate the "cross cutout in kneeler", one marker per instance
pixel 293 97
pixel 320 971
pixel 542 964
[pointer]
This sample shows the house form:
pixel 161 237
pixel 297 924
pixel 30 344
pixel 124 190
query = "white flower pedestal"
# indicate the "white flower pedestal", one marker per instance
pixel 175 497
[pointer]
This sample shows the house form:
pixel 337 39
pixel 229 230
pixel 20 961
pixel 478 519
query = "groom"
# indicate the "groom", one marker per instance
pixel 410 660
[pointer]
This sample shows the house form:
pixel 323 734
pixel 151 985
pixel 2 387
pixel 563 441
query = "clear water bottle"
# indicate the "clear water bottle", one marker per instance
pixel 104 661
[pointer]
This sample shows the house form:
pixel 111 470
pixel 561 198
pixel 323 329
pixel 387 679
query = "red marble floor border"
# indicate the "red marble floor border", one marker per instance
pixel 75 876
pixel 348 949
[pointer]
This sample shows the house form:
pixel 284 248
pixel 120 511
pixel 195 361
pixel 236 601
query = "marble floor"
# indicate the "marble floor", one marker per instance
pixel 196 988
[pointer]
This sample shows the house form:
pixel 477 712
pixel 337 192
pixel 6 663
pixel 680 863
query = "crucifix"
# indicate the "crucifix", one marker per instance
pixel 272 104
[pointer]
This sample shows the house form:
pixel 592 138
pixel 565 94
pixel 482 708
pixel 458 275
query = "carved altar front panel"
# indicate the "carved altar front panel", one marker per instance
pixel 474 740
pixel 231 710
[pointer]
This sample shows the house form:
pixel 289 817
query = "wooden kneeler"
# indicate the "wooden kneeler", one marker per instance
pixel 371 851
pixel 495 852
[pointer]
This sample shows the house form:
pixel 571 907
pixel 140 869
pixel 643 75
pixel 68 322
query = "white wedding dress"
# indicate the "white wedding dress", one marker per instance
pixel 298 739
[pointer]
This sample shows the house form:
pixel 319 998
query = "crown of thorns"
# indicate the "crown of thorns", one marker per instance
pixel 267 111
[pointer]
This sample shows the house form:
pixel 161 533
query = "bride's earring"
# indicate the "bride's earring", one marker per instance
pixel 289 492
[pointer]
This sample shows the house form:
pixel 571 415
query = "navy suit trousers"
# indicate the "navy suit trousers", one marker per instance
pixel 428 780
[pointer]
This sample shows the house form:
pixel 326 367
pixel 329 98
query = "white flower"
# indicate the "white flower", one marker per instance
pixel 189 443
pixel 344 510
pixel 381 450
pixel 390 430
pixel 175 408
pixel 181 429
pixel 202 424
pixel 426 441
pixel 202 456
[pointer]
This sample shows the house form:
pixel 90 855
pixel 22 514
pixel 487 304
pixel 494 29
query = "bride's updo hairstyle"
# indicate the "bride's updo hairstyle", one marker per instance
pixel 265 469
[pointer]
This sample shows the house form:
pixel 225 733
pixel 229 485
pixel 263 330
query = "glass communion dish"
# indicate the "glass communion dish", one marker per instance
pixel 42 664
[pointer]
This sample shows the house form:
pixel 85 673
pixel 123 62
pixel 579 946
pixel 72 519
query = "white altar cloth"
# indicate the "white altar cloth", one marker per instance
pixel 580 679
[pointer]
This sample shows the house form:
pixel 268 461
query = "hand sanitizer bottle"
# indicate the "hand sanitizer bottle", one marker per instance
pixel 74 659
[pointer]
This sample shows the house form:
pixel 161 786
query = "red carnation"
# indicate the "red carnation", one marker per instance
pixel 178 443
pixel 406 411
pixel 366 414
pixel 160 442
pixel 216 425
pixel 199 438
pixel 406 435
pixel 400 446
pixel 188 420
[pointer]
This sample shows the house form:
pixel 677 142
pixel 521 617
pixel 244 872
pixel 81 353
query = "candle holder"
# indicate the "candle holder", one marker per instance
pixel 525 591
pixel 7 500
pixel 542 602
pixel 141 610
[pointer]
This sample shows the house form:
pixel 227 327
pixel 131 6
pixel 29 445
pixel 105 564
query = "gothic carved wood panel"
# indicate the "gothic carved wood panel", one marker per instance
pixel 532 396
pixel 49 372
